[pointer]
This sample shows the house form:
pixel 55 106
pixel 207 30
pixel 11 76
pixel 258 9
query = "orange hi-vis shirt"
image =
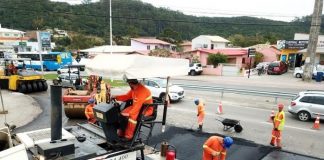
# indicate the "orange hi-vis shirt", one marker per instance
pixel 141 95
pixel 89 113
pixel 201 108
pixel 214 144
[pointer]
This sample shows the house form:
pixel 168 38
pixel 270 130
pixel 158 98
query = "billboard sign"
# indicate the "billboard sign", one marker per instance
pixel 292 44
pixel 44 38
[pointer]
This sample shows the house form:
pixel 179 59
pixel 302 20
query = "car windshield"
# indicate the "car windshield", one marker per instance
pixel 274 64
pixel 162 82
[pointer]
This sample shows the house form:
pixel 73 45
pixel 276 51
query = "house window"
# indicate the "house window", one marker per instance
pixel 156 47
pixel 212 46
pixel 243 60
pixel 205 46
pixel 16 35
pixel 148 47
pixel 7 34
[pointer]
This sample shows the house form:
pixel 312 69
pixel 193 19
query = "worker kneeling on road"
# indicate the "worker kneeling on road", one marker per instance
pixel 139 95
pixel 215 148
pixel 278 124
pixel 89 111
pixel 201 113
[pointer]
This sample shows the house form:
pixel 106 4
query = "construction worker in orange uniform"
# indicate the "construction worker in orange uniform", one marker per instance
pixel 140 95
pixel 12 68
pixel 215 148
pixel 89 111
pixel 278 124
pixel 201 112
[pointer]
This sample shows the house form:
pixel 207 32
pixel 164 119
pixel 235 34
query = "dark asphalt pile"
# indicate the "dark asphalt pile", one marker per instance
pixel 189 144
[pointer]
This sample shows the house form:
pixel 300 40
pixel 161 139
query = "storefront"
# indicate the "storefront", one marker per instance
pixel 290 54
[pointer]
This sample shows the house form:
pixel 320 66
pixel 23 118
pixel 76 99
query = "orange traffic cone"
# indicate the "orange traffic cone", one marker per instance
pixel 317 123
pixel 220 108
pixel 271 117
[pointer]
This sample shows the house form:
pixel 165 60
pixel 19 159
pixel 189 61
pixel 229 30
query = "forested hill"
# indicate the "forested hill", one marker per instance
pixel 135 18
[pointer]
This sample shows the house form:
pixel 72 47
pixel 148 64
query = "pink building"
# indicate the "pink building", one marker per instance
pixel 237 56
pixel 142 44
pixel 270 52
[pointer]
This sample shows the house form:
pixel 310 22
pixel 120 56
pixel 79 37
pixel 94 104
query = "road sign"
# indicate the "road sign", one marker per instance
pixel 251 52
pixel 22 43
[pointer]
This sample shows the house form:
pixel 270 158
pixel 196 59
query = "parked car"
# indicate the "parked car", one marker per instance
pixel 318 68
pixel 306 105
pixel 299 71
pixel 277 67
pixel 65 79
pixel 65 69
pixel 195 69
pixel 157 86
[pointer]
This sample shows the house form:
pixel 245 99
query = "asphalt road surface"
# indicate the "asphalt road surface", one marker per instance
pixel 252 111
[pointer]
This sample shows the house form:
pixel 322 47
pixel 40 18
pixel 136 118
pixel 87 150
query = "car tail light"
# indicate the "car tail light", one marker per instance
pixel 292 103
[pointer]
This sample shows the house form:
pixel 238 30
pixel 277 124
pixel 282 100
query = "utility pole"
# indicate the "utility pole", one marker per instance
pixel 312 42
pixel 110 26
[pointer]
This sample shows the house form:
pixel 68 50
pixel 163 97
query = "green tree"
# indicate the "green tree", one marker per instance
pixel 38 23
pixel 258 58
pixel 81 41
pixel 195 59
pixel 215 59
pixel 63 41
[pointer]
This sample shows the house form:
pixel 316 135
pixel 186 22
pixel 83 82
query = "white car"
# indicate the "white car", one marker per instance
pixel 157 86
pixel 65 69
pixel 298 72
pixel 195 69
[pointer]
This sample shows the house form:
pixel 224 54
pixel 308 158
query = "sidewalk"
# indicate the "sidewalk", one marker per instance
pixel 22 109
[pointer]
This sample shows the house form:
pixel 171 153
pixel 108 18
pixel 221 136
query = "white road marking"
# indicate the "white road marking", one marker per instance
pixel 309 130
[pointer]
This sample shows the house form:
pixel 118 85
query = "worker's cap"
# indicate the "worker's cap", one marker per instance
pixel 228 141
pixel 280 105
pixel 196 101
pixel 91 100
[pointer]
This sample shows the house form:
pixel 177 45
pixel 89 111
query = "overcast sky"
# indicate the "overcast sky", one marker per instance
pixel 284 10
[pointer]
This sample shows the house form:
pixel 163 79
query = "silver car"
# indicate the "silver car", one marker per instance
pixel 307 105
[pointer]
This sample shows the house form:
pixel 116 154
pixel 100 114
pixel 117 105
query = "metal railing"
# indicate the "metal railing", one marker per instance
pixel 223 90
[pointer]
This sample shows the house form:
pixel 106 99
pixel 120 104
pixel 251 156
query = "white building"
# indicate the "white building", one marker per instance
pixel 147 44
pixel 209 42
pixel 11 35
pixel 319 57
pixel 25 46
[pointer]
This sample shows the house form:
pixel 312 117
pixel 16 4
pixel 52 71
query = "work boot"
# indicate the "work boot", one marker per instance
pixel 200 128
pixel 272 144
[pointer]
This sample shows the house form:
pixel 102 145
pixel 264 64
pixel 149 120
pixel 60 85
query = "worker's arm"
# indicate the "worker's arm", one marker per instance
pixel 138 101
pixel 124 97
pixel 277 121
pixel 210 150
pixel 86 112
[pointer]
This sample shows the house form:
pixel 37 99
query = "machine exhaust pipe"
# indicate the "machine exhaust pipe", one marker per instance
pixel 56 112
